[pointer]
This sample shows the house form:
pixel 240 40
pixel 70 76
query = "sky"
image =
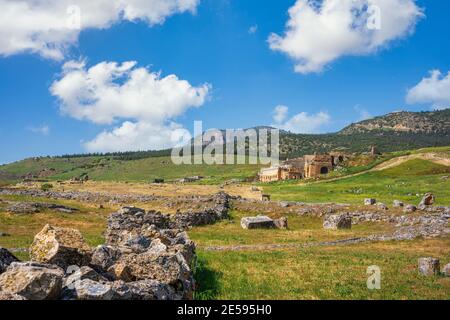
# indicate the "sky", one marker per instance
pixel 81 76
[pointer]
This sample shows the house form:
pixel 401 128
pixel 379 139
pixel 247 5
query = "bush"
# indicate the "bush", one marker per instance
pixel 46 187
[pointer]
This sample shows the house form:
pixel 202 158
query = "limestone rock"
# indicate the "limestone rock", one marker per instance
pixel 5 296
pixel 168 268
pixel 382 206
pixel 81 274
pixel 6 258
pixel 104 257
pixel 369 201
pixel 60 246
pixel 446 270
pixel 410 209
pixel 88 289
pixel 427 200
pixel 32 280
pixel 337 222
pixel 281 223
pixel 398 204
pixel 259 222
pixel 429 266
pixel 143 290
pixel 120 271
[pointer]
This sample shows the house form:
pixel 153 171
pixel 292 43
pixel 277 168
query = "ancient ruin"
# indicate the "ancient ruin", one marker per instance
pixel 309 166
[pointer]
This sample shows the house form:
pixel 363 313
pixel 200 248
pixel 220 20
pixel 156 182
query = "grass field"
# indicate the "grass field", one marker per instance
pixel 407 182
pixel 323 273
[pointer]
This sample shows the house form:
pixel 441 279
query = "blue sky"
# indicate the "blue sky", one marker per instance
pixel 217 45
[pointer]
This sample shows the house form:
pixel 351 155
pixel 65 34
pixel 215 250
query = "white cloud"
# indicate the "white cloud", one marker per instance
pixel 301 122
pixel 280 113
pixel 363 113
pixel 109 92
pixel 253 29
pixel 50 27
pixel 434 90
pixel 318 33
pixel 44 130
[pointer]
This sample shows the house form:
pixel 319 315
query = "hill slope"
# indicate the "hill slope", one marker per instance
pixel 393 132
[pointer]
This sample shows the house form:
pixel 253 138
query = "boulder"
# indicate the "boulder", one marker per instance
pixel 259 222
pixel 6 258
pixel 398 204
pixel 60 246
pixel 369 201
pixel 82 274
pixel 410 209
pixel 446 270
pixel 143 290
pixel 337 222
pixel 427 200
pixel 167 268
pixel 88 289
pixel 281 223
pixel 382 206
pixel 33 281
pixel 6 296
pixel 429 266
pixel 120 271
pixel 103 257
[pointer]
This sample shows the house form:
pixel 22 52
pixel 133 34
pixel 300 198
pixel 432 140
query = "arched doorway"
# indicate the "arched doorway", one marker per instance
pixel 324 170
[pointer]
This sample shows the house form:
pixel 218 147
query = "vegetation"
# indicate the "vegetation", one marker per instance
pixel 322 272
pixel 407 182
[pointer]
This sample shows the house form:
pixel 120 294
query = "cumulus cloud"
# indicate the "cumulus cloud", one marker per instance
pixel 50 27
pixel 301 122
pixel 110 92
pixel 434 90
pixel 43 130
pixel 317 33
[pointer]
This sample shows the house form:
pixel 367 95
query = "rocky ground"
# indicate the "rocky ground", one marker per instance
pixel 147 256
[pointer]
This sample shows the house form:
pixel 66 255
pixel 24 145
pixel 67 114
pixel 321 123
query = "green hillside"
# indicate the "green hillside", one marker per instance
pixel 407 182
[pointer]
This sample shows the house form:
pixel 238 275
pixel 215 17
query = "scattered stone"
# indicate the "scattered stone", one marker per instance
pixel 32 280
pixel 398 204
pixel 143 290
pixel 104 257
pixel 24 208
pixel 259 222
pixel 337 222
pixel 88 289
pixel 427 200
pixel 382 206
pixel 82 274
pixel 6 296
pixel 4 234
pixel 370 202
pixel 6 258
pixel 121 271
pixel 60 246
pixel 410 209
pixel 446 270
pixel 444 178
pixel 284 204
pixel 429 266
pixel 281 223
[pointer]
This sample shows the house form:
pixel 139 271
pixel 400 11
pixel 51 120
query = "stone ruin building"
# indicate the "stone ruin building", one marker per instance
pixel 309 166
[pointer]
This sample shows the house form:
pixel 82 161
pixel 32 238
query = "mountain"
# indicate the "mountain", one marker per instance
pixel 435 122
pixel 393 132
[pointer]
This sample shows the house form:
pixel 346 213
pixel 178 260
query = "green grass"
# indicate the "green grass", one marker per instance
pixel 407 182
pixel 301 230
pixel 322 273
pixel 143 170
pixel 90 221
